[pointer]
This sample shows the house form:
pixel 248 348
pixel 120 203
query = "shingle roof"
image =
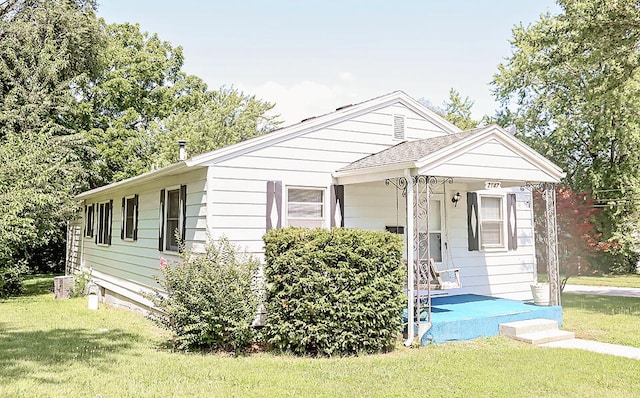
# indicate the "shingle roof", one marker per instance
pixel 408 151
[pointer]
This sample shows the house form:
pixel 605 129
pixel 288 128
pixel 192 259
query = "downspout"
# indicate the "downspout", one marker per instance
pixel 410 260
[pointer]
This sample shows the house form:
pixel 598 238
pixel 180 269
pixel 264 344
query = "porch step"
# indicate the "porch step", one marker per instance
pixel 535 331
pixel 512 329
pixel 546 336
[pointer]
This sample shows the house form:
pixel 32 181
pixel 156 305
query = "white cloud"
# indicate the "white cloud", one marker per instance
pixel 305 99
pixel 346 76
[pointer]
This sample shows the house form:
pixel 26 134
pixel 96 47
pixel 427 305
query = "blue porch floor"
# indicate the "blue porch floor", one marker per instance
pixel 468 316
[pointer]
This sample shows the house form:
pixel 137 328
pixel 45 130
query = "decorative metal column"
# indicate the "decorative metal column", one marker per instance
pixel 421 247
pixel 553 270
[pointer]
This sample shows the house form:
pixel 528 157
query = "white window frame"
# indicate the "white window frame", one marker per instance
pixel 167 234
pixel 502 246
pixel 134 221
pixel 322 221
pixel 104 220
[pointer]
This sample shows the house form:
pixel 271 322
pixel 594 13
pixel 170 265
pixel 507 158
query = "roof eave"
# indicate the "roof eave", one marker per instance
pixel 149 176
pixel 375 169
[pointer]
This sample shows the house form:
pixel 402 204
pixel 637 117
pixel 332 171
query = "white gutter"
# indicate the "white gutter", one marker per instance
pixel 410 260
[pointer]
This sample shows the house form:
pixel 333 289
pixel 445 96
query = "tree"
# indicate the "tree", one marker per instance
pixel 46 49
pixel 78 99
pixel 570 88
pixel 226 117
pixel 580 248
pixel 140 82
pixel 456 109
pixel 141 103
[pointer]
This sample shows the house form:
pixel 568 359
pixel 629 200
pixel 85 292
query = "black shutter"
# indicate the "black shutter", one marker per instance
pixel 183 201
pixel 110 215
pixel 512 222
pixel 274 204
pixel 99 223
pixel 123 220
pixel 97 217
pixel 162 214
pixel 135 220
pixel 337 204
pixel 473 233
pixel 92 228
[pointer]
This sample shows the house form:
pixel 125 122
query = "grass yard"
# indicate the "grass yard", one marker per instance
pixel 632 280
pixel 54 348
pixel 603 318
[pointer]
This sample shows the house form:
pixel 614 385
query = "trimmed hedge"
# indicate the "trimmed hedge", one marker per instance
pixel 333 292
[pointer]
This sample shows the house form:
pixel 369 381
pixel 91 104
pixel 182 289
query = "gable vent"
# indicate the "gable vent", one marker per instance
pixel 398 127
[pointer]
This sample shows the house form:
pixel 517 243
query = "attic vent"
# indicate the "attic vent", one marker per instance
pixel 398 127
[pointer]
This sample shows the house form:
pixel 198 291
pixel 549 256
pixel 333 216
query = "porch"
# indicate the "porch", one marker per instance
pixel 463 202
pixel 468 316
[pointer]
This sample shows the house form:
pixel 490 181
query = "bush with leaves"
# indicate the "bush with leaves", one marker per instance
pixel 209 300
pixel 333 292
pixel 11 277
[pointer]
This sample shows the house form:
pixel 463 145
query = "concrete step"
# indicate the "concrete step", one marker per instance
pixel 546 336
pixel 518 328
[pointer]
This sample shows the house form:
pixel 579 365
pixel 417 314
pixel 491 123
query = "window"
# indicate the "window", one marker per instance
pixel 492 222
pixel 129 229
pixel 305 207
pixel 105 211
pixel 88 220
pixel 173 217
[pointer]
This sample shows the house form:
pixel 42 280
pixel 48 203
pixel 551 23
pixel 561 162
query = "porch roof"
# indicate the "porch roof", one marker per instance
pixel 483 153
pixel 408 151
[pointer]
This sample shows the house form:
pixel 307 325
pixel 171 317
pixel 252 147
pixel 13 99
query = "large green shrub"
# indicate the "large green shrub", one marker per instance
pixel 333 292
pixel 210 299
pixel 11 277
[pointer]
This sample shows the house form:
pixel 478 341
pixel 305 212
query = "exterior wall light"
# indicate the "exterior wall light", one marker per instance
pixel 456 199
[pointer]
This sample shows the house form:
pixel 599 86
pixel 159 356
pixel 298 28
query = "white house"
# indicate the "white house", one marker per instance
pixel 461 198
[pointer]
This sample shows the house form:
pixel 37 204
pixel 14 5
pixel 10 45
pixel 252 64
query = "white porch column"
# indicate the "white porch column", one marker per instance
pixel 552 244
pixel 410 259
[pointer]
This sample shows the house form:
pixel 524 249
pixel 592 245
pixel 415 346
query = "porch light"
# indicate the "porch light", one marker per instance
pixel 456 199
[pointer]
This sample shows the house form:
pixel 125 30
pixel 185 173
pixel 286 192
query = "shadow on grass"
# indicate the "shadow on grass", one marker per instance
pixel 30 354
pixel 607 305
pixel 35 285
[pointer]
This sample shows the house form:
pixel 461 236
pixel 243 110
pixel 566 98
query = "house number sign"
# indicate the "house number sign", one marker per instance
pixel 492 185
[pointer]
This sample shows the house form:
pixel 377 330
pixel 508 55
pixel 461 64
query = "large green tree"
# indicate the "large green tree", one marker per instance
pixel 82 103
pixel 570 87
pixel 140 82
pixel 141 103
pixel 46 49
pixel 226 116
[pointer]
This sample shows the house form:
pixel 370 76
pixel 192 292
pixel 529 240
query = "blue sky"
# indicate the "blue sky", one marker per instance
pixel 310 57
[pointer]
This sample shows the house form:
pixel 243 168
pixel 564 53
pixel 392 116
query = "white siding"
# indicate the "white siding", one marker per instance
pixel 228 197
pixel 238 186
pixel 502 273
pixel 127 263
pixel 491 160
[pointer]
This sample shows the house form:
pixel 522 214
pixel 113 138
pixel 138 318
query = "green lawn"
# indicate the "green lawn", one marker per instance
pixel 632 280
pixel 603 318
pixel 54 348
